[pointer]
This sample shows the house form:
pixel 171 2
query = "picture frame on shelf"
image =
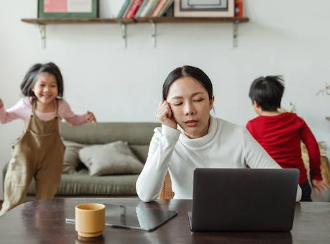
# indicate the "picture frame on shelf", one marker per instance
pixel 204 8
pixel 59 9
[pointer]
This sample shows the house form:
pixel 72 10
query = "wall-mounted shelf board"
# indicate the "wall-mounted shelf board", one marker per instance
pixel 123 22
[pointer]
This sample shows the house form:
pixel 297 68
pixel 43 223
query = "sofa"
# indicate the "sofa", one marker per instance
pixel 79 182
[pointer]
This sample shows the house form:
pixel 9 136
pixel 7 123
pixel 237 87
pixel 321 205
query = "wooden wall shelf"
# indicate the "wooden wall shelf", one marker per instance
pixel 151 20
pixel 138 20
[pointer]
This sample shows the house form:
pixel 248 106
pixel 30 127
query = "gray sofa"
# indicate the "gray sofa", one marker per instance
pixel 81 184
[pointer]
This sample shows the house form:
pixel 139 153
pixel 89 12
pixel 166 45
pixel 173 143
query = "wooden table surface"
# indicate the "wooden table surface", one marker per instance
pixel 44 222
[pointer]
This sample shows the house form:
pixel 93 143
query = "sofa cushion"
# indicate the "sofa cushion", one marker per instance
pixel 135 133
pixel 71 156
pixel 111 158
pixel 141 151
pixel 82 184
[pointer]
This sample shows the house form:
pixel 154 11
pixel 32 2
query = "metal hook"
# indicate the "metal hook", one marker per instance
pixel 42 29
pixel 153 33
pixel 235 34
pixel 123 34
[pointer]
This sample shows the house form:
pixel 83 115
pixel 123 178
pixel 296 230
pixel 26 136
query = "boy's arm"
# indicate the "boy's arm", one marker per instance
pixel 319 185
pixel 313 152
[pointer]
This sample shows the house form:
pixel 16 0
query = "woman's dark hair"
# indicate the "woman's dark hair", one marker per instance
pixel 267 92
pixel 191 71
pixel 33 73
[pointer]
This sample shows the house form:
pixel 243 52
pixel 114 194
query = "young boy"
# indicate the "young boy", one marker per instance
pixel 281 133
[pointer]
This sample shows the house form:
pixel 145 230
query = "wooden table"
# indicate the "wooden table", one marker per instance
pixel 44 222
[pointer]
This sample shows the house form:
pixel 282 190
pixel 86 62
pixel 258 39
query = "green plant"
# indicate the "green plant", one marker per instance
pixel 324 91
pixel 292 108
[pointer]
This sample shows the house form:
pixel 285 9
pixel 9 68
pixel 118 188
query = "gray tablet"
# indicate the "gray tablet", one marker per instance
pixel 140 217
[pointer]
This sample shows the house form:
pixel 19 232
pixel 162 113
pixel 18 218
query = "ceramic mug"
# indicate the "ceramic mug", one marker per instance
pixel 90 219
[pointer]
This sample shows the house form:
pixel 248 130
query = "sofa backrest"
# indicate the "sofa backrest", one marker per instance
pixel 138 135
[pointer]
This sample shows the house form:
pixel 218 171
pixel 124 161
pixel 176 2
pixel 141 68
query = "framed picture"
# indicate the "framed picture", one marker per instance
pixel 204 8
pixel 68 8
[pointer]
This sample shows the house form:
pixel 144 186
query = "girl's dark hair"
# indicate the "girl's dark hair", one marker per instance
pixel 33 73
pixel 267 92
pixel 191 71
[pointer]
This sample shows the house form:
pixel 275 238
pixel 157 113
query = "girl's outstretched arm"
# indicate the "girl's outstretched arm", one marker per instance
pixel 17 111
pixel 66 113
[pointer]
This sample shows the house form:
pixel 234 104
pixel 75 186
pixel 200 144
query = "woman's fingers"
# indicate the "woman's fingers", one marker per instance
pixel 163 111
pixel 165 116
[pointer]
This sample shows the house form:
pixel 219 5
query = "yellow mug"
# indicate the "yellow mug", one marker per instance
pixel 90 219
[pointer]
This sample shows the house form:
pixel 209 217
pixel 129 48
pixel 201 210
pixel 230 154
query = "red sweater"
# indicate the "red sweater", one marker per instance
pixel 281 136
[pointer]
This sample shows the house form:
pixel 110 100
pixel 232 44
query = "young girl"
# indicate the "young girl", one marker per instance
pixel 280 134
pixel 39 152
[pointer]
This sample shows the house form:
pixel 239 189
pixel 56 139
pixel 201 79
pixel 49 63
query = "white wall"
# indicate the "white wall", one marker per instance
pixel 283 37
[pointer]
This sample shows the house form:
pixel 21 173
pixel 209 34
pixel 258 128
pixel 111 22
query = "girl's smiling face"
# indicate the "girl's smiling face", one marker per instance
pixel 45 88
pixel 190 104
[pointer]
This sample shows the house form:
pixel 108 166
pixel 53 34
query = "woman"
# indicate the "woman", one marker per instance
pixel 190 138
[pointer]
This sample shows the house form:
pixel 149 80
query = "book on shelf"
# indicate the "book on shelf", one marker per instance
pixel 158 8
pixel 128 8
pixel 135 7
pixel 123 9
pixel 152 4
pixel 165 8
pixel 144 3
pixel 239 8
pixel 146 8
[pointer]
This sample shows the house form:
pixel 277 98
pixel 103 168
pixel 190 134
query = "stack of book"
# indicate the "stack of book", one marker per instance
pixel 144 8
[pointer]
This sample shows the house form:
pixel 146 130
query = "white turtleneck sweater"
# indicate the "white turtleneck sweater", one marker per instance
pixel 225 146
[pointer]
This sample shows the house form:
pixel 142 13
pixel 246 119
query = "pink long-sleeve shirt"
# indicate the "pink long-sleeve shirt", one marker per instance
pixel 23 110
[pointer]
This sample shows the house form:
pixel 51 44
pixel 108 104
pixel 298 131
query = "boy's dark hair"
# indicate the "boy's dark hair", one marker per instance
pixel 267 92
pixel 33 73
pixel 191 71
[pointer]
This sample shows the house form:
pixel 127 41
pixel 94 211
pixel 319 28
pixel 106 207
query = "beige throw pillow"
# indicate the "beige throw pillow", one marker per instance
pixel 71 156
pixel 112 158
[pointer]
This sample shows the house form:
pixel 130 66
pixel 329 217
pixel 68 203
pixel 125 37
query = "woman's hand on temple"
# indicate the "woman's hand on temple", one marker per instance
pixel 165 115
pixel 319 186
pixel 91 118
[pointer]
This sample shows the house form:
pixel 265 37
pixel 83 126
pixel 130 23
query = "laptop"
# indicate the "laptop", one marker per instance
pixel 243 199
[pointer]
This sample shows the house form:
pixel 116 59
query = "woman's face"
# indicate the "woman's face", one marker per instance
pixel 190 105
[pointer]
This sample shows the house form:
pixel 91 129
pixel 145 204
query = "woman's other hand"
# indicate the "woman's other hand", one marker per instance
pixel 165 115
